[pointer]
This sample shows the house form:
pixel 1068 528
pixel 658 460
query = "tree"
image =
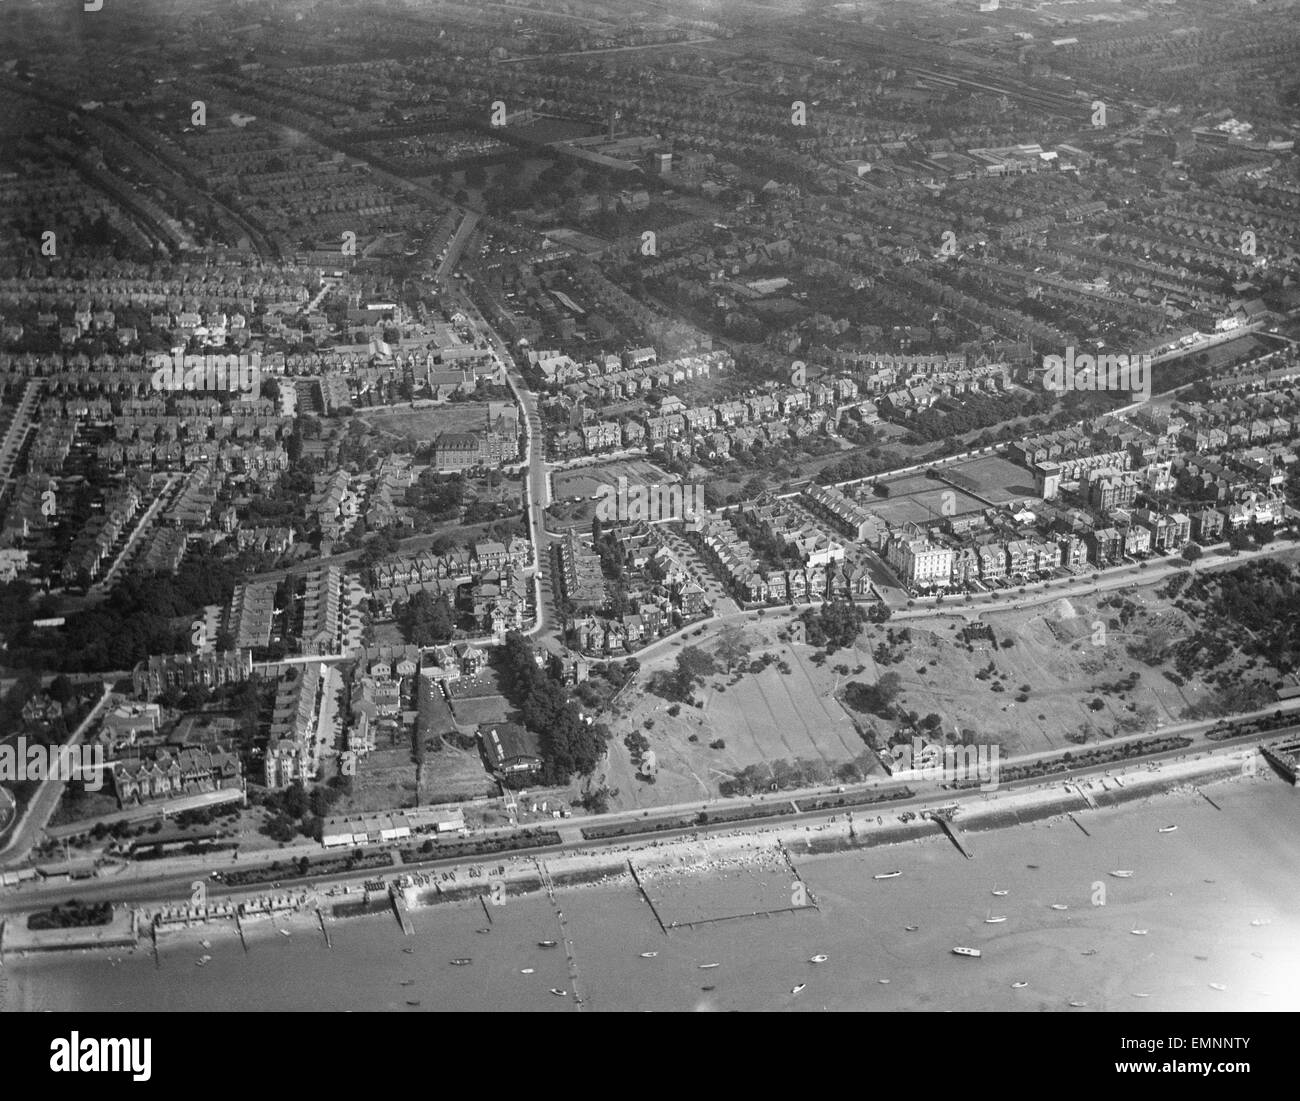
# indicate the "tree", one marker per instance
pixel 61 689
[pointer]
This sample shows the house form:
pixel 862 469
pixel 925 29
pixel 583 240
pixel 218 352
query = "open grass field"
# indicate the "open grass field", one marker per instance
pixel 386 780
pixel 426 422
pixel 586 481
pixel 996 479
pixel 919 499
pixel 1066 678
pixel 764 716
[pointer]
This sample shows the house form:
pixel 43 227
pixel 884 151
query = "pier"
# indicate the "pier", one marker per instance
pixel 645 895
pixel 946 826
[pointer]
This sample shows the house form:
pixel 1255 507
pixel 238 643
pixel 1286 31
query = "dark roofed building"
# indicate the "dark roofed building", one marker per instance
pixel 510 748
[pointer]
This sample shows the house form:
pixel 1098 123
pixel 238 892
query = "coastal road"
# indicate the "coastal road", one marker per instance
pixel 178 886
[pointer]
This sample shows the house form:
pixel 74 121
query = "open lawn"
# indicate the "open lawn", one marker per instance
pixel 426 422
pixel 586 481
pixel 760 717
pixel 386 779
pixel 1070 660
pixel 995 478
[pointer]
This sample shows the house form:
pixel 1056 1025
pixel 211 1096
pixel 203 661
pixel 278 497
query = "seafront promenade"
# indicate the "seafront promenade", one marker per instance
pixel 650 862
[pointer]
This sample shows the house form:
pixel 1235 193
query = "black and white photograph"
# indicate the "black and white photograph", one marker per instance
pixel 606 506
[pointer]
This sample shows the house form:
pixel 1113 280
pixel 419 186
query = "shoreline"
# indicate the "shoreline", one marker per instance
pixel 648 864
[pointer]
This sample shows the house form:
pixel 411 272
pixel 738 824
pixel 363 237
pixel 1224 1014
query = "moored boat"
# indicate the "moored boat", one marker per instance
pixel 887 875
pixel 1122 874
pixel 958 950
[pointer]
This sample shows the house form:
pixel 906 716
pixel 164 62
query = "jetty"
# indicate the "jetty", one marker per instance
pixel 944 821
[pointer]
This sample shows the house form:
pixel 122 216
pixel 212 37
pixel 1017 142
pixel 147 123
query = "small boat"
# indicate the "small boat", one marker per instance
pixel 205 943
pixel 1166 829
pixel 1078 1005
pixel 960 951
pixel 1203 959
pixel 412 1003
pixel 1141 995
pixel 911 928
pixel 1019 985
pixel 202 961
pixel 285 933
pixel 819 958
pixel 408 982
pixel 1000 894
pixel 888 875
pixel 883 982
pixel 706 989
pixel 1059 906
pixel 995 920
pixel 1260 921
pixel 1032 867
pixel 546 943
pixel 525 970
pixel 482 930
pixel 1089 952
pixel 648 955
pixel 1217 986
pixel 1139 932
pixel 408 951
pixel 706 966
pixel 1122 875
pixel 460 962
pixel 798 988
pixel 559 993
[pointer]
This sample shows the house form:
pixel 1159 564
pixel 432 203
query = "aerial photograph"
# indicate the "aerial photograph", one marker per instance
pixel 584 506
